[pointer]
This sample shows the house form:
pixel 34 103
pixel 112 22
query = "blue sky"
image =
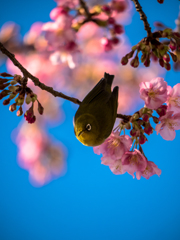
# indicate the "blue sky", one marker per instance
pixel 89 202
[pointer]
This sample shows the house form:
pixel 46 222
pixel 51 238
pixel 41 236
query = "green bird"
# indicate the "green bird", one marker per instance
pixel 95 117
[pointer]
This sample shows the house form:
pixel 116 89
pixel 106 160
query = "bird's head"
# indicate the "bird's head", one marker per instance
pixel 87 130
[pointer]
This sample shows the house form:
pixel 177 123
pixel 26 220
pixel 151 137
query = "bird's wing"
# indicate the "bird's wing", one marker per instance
pixel 96 91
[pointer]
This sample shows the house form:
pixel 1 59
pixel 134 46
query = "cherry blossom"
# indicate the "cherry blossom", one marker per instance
pixel 114 146
pixel 169 123
pixel 154 93
pixel 173 100
pixel 134 161
pixel 151 169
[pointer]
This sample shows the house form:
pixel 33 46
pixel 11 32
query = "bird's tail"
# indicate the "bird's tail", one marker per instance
pixel 109 78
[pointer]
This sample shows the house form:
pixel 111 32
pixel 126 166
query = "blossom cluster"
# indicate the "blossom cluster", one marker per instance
pixel 119 152
pixel 17 88
pixel 152 48
pixel 39 155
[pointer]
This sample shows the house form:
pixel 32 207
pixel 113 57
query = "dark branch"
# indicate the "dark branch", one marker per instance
pixel 143 17
pixel 35 79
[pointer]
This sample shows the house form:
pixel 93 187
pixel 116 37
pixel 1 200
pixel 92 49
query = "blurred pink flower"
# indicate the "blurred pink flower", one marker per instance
pixel 154 93
pixel 43 159
pixel 173 100
pixel 134 161
pixel 117 168
pixel 150 170
pixel 169 123
pixel 67 3
pixel 114 146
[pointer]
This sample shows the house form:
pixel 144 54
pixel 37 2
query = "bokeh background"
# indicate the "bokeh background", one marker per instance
pixel 89 201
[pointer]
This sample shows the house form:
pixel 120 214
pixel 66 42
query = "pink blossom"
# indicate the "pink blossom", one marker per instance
pixel 67 3
pixel 56 12
pixel 169 123
pixel 150 170
pixel 154 93
pixel 118 168
pixel 173 100
pixel 134 161
pixel 114 146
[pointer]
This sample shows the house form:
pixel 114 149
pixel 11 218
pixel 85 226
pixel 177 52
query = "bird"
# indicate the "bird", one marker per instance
pixel 96 115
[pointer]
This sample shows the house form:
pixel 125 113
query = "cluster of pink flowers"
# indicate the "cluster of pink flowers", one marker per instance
pixel 111 10
pixel 117 155
pixel 155 93
pixel 43 159
pixel 60 36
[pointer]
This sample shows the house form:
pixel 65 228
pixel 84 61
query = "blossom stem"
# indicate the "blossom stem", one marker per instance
pixel 143 17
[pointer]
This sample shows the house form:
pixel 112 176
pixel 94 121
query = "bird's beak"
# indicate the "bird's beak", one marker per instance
pixel 80 132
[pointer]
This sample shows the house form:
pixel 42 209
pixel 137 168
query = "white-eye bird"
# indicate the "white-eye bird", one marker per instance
pixel 95 117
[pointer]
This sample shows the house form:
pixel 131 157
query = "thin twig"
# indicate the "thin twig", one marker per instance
pixel 143 17
pixel 84 6
pixel 35 79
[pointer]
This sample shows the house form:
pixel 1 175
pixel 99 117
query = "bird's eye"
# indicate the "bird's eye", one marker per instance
pixel 88 127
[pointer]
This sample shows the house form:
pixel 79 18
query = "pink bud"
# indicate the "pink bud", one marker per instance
pixel 133 132
pixel 40 108
pixel 124 60
pixel 135 62
pixel 172 45
pixel 115 40
pixel 142 139
pixel 161 111
pixel 6 101
pixel 161 62
pixel 145 117
pixel 167 66
pixel 118 29
pixel 111 20
pixel 107 44
pixel 166 57
pixel 160 1
pixel 148 129
pixel 119 6
pixel 56 12
pixel 106 9
pixel 147 62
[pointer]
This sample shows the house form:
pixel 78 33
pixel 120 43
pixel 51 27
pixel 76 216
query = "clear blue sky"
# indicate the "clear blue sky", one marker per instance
pixel 89 202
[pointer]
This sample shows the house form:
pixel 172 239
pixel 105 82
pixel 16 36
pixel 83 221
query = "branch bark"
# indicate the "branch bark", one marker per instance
pixel 143 17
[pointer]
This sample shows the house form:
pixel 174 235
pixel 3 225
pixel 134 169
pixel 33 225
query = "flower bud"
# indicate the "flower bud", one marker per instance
pixel 12 95
pixel 124 60
pixel 19 112
pixel 3 86
pixel 119 6
pixel 128 125
pixel 111 20
pixel 115 40
pixel 28 99
pixel 135 62
pixel 107 44
pixel 118 29
pixel 145 117
pixel 133 132
pixel 166 57
pixel 142 139
pixel 12 108
pixel 172 45
pixel 130 54
pixel 12 88
pixel 106 9
pixel 40 108
pixel 17 77
pixel 161 62
pixel 4 74
pixel 161 111
pixel 156 120
pixel 173 56
pixel 147 62
pixel 148 129
pixel 160 1
pixel 6 101
pixel 167 66
pixel 19 100
pixel 143 57
pixel 13 82
pixel 4 93
pixel 135 116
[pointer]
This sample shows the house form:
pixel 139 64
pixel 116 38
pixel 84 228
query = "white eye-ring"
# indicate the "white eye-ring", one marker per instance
pixel 88 127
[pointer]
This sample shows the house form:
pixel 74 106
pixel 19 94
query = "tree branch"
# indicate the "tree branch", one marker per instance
pixel 35 79
pixel 143 17
pixel 36 82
